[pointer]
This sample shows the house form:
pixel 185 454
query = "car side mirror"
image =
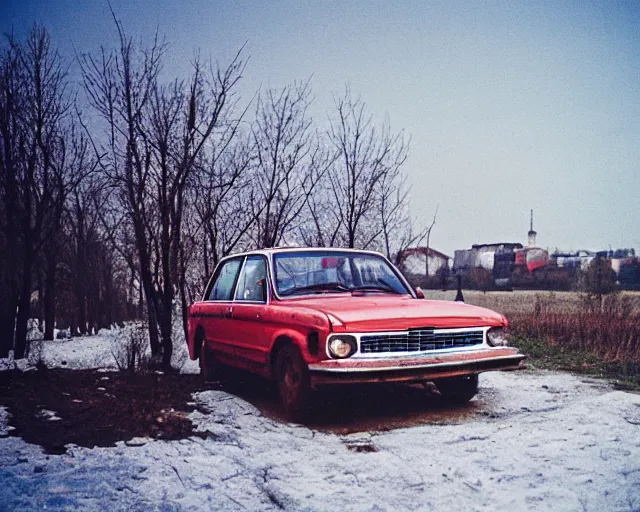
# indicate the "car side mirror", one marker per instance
pixel 419 292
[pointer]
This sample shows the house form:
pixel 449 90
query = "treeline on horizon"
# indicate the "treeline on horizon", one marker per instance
pixel 118 197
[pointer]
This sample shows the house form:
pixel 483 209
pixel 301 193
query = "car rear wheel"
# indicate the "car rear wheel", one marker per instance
pixel 294 387
pixel 458 390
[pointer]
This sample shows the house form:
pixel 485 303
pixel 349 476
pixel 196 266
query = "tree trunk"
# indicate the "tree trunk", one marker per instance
pixel 81 301
pixel 152 314
pixel 40 312
pixel 92 302
pixel 24 312
pixel 166 320
pixel 149 293
pixel 7 324
pixel 154 340
pixel 183 294
pixel 79 280
pixel 167 344
pixel 49 298
pixel 106 311
pixel 140 312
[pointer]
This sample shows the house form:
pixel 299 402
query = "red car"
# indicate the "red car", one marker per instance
pixel 313 317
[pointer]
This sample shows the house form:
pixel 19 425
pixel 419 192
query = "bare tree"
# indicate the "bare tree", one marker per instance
pixel 157 136
pixel 367 157
pixel 119 86
pixel 398 232
pixel 12 150
pixel 182 125
pixel 222 192
pixel 289 162
pixel 35 107
pixel 74 164
pixel 88 249
pixel 426 233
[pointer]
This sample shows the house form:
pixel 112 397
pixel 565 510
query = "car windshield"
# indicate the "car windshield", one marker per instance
pixel 311 272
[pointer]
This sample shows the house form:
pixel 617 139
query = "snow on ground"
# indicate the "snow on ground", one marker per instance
pixel 96 351
pixel 535 441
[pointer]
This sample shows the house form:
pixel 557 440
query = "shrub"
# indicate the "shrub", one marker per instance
pixel 130 351
pixel 599 279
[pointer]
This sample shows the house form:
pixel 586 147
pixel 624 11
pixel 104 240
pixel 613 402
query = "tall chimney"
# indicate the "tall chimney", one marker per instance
pixel 532 234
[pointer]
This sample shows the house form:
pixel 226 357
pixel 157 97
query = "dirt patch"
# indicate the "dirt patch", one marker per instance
pixel 55 407
pixel 52 408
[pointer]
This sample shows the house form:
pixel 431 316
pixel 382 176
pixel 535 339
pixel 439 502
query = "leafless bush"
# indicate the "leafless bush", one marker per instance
pixel 130 351
pixel 36 348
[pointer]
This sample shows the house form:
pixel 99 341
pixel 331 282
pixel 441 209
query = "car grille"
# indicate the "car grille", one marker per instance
pixel 418 340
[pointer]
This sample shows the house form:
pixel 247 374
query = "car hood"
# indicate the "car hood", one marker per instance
pixel 386 312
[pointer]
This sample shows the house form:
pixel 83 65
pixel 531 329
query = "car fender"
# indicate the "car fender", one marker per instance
pixel 295 336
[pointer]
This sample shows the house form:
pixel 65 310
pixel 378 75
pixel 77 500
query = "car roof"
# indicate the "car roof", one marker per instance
pixel 279 250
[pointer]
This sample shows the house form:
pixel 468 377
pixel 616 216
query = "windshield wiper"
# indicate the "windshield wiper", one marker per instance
pixel 318 288
pixel 382 286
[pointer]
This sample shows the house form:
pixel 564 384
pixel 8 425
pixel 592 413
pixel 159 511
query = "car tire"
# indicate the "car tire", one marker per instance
pixel 209 367
pixel 294 388
pixel 458 390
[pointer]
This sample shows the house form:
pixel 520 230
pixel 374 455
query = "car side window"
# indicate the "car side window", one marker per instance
pixel 222 288
pixel 252 283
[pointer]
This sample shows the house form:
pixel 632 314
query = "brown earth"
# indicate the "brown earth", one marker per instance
pixel 100 408
pixel 96 408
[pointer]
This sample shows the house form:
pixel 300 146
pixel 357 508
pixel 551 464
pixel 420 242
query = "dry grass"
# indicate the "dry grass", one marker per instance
pixel 526 301
pixel 570 330
pixel 609 328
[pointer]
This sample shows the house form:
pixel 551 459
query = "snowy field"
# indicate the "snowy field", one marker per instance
pixel 97 351
pixel 537 441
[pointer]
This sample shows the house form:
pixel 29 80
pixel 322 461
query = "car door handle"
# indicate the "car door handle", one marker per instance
pixel 228 313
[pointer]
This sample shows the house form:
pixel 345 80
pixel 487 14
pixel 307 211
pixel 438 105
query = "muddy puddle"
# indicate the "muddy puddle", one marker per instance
pixel 362 408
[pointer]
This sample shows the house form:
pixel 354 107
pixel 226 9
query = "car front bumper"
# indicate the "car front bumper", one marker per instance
pixel 415 368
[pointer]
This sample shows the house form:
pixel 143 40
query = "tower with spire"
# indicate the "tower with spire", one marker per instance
pixel 532 234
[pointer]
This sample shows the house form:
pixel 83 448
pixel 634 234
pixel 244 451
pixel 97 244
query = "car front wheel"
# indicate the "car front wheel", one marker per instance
pixel 458 390
pixel 294 388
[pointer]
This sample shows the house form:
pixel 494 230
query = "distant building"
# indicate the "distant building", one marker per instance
pixel 505 263
pixel 579 260
pixel 484 255
pixel 422 261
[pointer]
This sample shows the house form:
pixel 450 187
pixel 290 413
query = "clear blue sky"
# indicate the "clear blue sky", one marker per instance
pixel 510 105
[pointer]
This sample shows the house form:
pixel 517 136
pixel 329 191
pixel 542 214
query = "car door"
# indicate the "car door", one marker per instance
pixel 249 308
pixel 217 309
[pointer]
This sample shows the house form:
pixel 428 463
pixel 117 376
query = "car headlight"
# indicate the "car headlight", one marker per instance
pixel 342 346
pixel 497 337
